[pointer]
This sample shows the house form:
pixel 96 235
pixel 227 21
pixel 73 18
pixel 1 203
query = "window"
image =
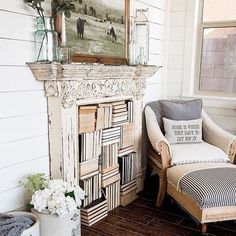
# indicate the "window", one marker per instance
pixel 216 54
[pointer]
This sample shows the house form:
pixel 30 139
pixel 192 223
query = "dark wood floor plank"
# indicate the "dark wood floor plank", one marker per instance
pixel 124 213
pixel 143 229
pixel 231 225
pixel 147 195
pixel 218 231
pixel 111 230
pixel 154 213
pixel 173 209
pixel 112 219
pixel 88 232
pixel 174 228
pixel 145 202
pixel 189 223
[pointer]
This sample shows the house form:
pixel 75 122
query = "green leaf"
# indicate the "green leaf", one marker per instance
pixel 72 7
pixel 35 182
pixel 67 13
pixel 70 194
pixel 30 206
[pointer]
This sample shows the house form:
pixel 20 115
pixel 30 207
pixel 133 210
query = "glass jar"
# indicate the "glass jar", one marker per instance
pixel 46 42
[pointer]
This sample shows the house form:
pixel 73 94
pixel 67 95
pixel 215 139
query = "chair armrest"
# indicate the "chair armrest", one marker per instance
pixel 232 151
pixel 215 135
pixel 156 137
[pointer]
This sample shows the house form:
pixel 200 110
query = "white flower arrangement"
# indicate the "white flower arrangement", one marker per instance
pixel 56 197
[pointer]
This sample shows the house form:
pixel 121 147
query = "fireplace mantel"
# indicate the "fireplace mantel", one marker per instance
pixel 68 86
pixel 76 81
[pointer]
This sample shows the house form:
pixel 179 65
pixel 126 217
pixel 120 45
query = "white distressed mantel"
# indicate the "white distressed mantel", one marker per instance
pixel 70 85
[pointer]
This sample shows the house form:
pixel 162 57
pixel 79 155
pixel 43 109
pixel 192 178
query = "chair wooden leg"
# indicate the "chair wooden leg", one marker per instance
pixel 148 171
pixel 203 228
pixel 172 201
pixel 162 190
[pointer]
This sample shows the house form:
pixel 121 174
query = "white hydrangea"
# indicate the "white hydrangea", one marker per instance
pixel 41 198
pixel 57 185
pixel 79 195
pixel 55 199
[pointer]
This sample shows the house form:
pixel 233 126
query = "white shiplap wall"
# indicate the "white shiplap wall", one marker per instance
pixel 179 77
pixel 157 52
pixel 223 112
pixel 23 108
pixel 176 46
pixel 157 44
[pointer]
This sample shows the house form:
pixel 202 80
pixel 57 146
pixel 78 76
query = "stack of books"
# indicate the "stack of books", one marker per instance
pixel 111 136
pixel 87 118
pixel 90 145
pixel 106 158
pixel 109 155
pixel 130 111
pixel 104 116
pixel 119 113
pixel 112 192
pixel 127 168
pixel 125 151
pixel 129 187
pixel 111 176
pixel 127 135
pixel 88 167
pixel 94 212
pixel 92 188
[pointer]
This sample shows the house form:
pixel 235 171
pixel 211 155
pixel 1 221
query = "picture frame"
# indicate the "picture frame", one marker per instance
pixel 88 37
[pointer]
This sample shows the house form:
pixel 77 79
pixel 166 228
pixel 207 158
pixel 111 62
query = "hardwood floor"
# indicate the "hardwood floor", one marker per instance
pixel 141 217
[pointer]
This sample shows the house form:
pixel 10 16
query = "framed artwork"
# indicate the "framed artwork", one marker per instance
pixel 97 32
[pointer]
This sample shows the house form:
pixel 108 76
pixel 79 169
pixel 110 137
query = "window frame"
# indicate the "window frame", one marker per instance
pixel 201 26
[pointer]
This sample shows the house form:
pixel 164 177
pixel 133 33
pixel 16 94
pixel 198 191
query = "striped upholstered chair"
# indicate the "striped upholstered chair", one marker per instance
pixel 206 189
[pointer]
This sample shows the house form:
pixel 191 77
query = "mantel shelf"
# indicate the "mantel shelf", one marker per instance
pixel 76 81
pixel 78 71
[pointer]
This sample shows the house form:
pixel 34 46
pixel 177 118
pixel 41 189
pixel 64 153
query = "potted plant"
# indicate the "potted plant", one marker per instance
pixel 57 205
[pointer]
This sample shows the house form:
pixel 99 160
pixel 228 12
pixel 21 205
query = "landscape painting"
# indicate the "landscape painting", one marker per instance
pixel 98 28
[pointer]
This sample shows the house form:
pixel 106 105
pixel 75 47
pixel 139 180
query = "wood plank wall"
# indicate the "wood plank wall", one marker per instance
pixel 176 46
pixel 23 107
pixel 23 116
pixel 157 45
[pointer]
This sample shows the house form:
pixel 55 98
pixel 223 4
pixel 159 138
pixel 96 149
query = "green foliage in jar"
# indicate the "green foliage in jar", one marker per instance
pixel 35 182
pixel 37 6
pixel 60 6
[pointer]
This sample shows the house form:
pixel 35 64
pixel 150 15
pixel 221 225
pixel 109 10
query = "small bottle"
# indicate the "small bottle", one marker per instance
pixel 141 59
pixel 63 53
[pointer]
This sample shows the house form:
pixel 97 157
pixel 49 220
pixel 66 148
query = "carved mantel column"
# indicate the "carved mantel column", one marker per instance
pixel 68 85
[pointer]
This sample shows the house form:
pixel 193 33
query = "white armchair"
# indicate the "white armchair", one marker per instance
pixel 159 158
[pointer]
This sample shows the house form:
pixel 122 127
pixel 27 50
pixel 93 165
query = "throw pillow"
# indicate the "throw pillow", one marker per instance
pixel 183 131
pixel 181 110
